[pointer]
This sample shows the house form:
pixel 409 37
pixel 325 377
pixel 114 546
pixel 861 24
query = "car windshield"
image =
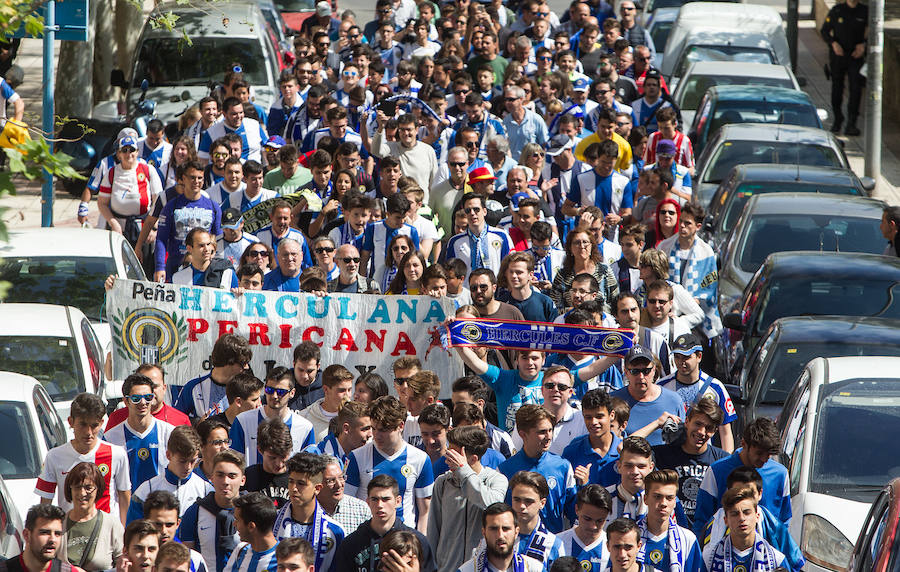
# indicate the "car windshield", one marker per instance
pixel 850 413
pixel 295 5
pixel 168 62
pixel 723 53
pixel 52 361
pixel 788 232
pixel 19 457
pixel 746 190
pixel 789 359
pixel 695 87
pixel 660 34
pixel 822 296
pixel 727 112
pixel 62 280
pixel 731 153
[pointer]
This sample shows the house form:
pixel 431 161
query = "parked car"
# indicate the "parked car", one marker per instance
pixel 717 31
pixel 749 180
pixel 780 222
pixel 806 284
pixel 839 441
pixel 11 524
pixel 878 546
pixel 701 76
pixel 772 368
pixel 740 143
pixel 54 344
pixel 727 104
pixel 232 34
pixel 659 27
pixel 31 426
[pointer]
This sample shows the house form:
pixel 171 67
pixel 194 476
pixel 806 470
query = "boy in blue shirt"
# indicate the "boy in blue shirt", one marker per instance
pixel 528 494
pixel 600 447
pixel 666 546
pixel 586 541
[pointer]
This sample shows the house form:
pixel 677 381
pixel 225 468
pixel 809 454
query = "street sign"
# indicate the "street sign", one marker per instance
pixel 71 17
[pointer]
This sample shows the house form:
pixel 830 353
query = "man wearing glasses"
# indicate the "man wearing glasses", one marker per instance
pixel 279 390
pixel 632 31
pixel 522 125
pixel 349 279
pixel 143 436
pixel 556 390
pixel 647 400
pixel 480 246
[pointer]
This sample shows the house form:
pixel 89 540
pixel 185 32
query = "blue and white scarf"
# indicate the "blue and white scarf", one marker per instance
pixel 481 562
pixel 286 527
pixel 701 279
pixel 764 558
pixel 678 549
pixel 478 244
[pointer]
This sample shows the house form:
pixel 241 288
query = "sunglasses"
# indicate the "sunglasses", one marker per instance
pixel 217 442
pixel 472 210
pixel 148 397
pixel 657 301
pixel 471 144
pixel 557 386
pixel 324 249
pixel 276 391
pixel 640 370
pixel 349 74
pixel 457 164
pixel 220 155
pixel 673 213
pixel 258 254
pixel 349 259
pixel 401 380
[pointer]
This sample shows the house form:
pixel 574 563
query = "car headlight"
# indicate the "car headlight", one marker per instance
pixel 824 545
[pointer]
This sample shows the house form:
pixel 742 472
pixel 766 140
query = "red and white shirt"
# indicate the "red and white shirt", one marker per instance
pixel 110 459
pixel 131 192
pixel 684 151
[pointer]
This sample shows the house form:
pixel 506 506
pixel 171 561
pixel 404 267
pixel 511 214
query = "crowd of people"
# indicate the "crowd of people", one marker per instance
pixel 532 168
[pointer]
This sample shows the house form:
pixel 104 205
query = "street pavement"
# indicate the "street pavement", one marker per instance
pixel 25 207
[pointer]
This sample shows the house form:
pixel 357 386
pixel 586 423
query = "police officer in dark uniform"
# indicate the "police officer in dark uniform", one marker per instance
pixel 845 33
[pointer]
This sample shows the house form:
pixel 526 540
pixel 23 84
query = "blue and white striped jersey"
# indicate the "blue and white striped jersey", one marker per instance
pixel 202 397
pixel 253 136
pixel 410 467
pixel 187 491
pixel 593 557
pixel 243 433
pixel 200 526
pixel 376 239
pixel 495 248
pixel 146 451
pixel 245 559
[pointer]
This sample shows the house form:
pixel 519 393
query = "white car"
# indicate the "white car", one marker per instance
pixel 30 427
pixel 55 345
pixel 839 432
pixel 67 266
pixel 11 524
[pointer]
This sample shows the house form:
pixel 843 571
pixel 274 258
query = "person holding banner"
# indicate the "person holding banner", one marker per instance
pixel 206 394
pixel 286 276
pixel 204 270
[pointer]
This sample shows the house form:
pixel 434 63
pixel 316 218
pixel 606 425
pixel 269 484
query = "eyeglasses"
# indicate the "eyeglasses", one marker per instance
pixel 623 123
pixel 537 154
pixel 349 74
pixel 324 44
pixel 471 144
pixel 349 259
pixel 643 58
pixel 457 163
pixel 388 11
pixel 353 37
pixel 462 91
pixel 218 442
pixel 280 392
pixel 512 99
pixel 627 8
pixel 581 242
pixel 220 155
pixel 657 301
pixel 640 370
pixel 401 380
pixel 472 210
pixel 673 213
pixel 135 398
pixel 561 387
pixel 258 254
pixel 334 481
pixel 546 58
pixel 479 287
pixel 324 249
pixel 86 488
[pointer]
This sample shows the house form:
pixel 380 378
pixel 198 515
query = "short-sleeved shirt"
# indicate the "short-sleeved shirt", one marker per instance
pixel 690 393
pixel 112 461
pixel 244 429
pixel 690 468
pixel 645 412
pixel 146 450
pixel 512 392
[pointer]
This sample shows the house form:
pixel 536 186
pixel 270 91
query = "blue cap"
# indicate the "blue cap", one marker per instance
pixel 275 142
pixel 127 141
pixel 638 352
pixel 516 198
pixel 581 84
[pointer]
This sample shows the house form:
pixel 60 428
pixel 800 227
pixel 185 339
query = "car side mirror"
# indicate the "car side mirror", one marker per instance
pixel 868 183
pixel 802 81
pixel 117 79
pixel 733 321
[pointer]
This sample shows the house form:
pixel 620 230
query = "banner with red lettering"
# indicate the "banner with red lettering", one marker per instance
pixel 176 326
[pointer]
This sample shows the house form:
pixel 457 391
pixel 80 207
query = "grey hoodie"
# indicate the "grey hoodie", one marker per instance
pixel 454 520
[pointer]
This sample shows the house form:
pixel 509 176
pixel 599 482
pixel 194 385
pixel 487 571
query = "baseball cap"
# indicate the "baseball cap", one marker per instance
pixel 686 344
pixel 481 174
pixel 323 8
pixel 127 141
pixel 581 84
pixel 665 147
pixel 638 352
pixel 127 132
pixel 231 218
pixel 559 143
pixel 514 200
pixel 275 142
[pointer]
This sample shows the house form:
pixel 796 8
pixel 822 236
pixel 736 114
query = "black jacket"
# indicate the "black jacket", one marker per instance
pixel 359 551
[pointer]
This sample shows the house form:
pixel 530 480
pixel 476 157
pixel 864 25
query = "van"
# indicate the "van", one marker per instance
pixel 183 65
pixel 714 31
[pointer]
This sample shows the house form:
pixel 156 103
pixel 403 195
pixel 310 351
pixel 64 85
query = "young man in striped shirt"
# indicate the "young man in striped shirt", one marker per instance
pixel 254 515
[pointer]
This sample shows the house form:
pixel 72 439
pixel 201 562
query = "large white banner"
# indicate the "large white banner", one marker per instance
pixel 176 326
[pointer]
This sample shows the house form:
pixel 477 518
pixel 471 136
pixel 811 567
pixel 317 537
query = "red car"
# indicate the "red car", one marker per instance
pixel 878 547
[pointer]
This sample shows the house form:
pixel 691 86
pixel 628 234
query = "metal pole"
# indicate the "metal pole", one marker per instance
pixel 48 109
pixel 793 16
pixel 875 67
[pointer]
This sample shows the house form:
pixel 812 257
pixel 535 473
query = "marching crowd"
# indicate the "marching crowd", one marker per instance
pixel 524 166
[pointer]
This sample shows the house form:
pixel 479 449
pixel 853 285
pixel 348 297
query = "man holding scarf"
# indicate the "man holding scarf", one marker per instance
pixel 742 549
pixel 666 546
pixel 303 516
pixel 498 526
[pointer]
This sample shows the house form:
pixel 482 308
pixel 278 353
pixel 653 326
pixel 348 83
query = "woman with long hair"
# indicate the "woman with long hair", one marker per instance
pixel 409 279
pixel 396 250
pixel 668 215
pixel 183 150
pixel 259 253
pixel 583 257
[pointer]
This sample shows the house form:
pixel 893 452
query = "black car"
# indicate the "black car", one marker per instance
pixel 772 368
pixel 805 283
pixel 749 180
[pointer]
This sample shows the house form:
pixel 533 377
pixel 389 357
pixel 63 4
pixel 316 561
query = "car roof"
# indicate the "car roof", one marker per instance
pixel 780 132
pixel 759 93
pixel 742 69
pixel 876 367
pixel 37 320
pixel 76 242
pixel 799 329
pixel 17 387
pixel 814 204
pixel 735 15
pixel 811 264
pixel 195 21
pixel 776 172
pixel 665 15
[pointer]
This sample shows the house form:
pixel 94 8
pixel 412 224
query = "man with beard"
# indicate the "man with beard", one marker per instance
pixel 43 535
pixel 498 526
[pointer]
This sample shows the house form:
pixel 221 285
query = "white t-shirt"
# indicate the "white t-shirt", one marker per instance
pixel 112 461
